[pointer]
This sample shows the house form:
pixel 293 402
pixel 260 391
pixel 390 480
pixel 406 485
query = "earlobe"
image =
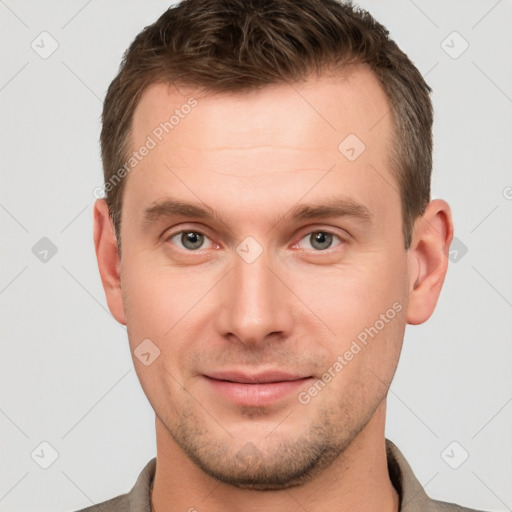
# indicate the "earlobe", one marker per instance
pixel 428 260
pixel 109 262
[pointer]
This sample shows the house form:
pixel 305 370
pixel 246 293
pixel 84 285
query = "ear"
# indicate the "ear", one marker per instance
pixel 109 262
pixel 428 260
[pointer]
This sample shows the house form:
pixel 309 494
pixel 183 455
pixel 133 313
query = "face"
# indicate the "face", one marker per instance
pixel 266 263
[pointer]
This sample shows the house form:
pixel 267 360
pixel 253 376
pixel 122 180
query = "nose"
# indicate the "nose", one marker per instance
pixel 254 303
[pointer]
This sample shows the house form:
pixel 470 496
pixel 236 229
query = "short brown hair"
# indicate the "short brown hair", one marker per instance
pixel 239 45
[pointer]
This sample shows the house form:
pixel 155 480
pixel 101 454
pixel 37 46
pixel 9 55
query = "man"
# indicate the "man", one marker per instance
pixel 266 236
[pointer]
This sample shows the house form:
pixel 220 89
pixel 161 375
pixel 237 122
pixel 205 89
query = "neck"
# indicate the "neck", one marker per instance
pixel 358 480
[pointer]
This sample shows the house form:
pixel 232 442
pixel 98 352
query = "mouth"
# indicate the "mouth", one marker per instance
pixel 255 390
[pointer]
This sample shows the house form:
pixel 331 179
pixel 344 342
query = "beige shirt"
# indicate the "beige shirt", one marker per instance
pixel 412 496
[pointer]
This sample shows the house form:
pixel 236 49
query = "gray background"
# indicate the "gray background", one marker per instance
pixel 66 373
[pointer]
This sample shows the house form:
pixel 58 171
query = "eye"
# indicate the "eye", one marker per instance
pixel 319 240
pixel 190 240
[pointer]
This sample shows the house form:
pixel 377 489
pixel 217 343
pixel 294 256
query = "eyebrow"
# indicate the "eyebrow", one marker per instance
pixel 335 207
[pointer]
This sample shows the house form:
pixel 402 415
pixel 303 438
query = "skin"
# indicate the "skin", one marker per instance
pixel 251 158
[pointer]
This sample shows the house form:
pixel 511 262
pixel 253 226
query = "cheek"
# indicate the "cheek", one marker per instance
pixel 169 307
pixel 158 297
pixel 157 310
pixel 362 365
pixel 364 306
pixel 351 297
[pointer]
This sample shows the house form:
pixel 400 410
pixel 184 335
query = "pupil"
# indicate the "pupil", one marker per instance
pixel 191 240
pixel 321 240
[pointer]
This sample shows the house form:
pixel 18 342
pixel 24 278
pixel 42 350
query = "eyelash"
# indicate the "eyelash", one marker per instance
pixel 169 237
pixel 325 232
pixel 173 235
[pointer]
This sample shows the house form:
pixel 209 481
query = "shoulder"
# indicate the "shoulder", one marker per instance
pixel 443 506
pixel 118 504
pixel 137 500
pixel 413 497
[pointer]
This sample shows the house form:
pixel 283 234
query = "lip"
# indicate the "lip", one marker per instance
pixel 255 390
pixel 255 378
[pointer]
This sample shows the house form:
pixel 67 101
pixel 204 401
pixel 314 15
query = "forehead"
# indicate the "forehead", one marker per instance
pixel 313 137
pixel 349 101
